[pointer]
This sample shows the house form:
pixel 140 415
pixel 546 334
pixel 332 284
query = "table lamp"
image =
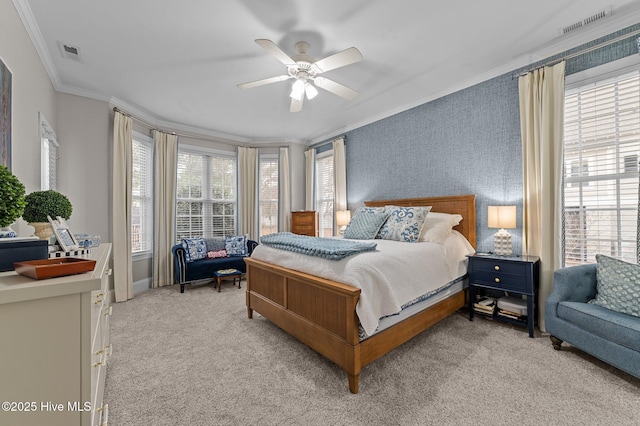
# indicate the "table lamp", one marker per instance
pixel 502 217
pixel 343 217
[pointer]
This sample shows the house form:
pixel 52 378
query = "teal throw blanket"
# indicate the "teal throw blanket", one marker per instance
pixel 327 248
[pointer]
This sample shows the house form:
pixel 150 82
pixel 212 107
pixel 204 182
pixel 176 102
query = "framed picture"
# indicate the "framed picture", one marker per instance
pixel 66 240
pixel 5 115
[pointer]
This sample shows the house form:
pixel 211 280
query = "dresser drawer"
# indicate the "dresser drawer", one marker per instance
pixel 304 219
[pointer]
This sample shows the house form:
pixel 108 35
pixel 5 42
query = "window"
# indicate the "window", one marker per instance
pixel 324 193
pixel 268 194
pixel 206 194
pixel 49 156
pixel 142 194
pixel 601 147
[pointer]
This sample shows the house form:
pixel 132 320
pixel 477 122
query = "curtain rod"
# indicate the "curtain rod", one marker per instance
pixel 192 136
pixel 579 53
pixel 317 144
pixel 151 127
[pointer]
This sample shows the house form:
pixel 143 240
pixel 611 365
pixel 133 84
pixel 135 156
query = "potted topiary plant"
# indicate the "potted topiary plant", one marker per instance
pixel 12 201
pixel 41 204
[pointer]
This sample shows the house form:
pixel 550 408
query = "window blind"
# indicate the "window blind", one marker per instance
pixel 324 193
pixel 206 195
pixel 268 195
pixel 601 148
pixel 142 197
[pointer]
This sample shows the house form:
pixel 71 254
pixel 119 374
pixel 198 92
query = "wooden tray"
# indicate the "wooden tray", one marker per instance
pixel 50 268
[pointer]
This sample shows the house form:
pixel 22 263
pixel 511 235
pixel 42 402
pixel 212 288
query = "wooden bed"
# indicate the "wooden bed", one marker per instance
pixel 322 313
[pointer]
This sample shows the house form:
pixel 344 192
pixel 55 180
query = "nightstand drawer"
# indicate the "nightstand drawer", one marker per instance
pixel 496 266
pixel 499 280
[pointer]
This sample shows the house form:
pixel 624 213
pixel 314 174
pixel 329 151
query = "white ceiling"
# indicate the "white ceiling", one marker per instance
pixel 176 63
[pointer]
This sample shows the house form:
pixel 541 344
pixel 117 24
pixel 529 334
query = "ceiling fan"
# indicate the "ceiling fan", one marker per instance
pixel 306 71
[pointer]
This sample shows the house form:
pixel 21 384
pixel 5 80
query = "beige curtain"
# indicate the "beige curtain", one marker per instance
pixel 542 123
pixel 248 192
pixel 284 189
pixel 164 206
pixel 122 171
pixel 339 181
pixel 309 172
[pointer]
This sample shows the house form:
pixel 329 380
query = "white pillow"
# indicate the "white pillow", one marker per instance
pixel 438 226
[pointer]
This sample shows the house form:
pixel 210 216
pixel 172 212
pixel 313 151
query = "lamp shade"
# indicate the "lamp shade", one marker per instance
pixel 502 217
pixel 343 217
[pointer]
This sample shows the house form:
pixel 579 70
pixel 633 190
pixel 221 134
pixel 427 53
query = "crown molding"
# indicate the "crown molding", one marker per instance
pixel 29 22
pixel 620 19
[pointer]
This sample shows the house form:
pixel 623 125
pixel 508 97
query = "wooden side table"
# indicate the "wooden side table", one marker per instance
pixel 227 274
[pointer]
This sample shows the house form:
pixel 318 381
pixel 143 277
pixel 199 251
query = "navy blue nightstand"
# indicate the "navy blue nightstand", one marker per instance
pixel 517 275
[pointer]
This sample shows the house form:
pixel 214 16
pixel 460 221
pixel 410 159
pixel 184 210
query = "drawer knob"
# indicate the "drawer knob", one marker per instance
pixel 497 280
pixel 497 268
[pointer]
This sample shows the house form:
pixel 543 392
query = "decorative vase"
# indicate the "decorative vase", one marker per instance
pixel 43 230
pixel 7 232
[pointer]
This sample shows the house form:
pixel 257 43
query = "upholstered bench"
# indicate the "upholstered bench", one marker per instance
pixel 188 269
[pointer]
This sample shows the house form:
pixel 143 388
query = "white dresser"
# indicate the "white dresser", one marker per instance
pixel 54 346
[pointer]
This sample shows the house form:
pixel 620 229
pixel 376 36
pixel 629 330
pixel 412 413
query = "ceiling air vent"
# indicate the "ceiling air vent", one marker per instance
pixel 70 52
pixel 586 21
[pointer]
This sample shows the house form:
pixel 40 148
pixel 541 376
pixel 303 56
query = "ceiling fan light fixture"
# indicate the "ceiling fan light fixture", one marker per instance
pixel 311 91
pixel 297 90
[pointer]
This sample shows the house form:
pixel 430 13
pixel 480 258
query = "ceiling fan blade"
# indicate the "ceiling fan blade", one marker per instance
pixel 340 59
pixel 335 88
pixel 296 105
pixel 272 48
pixel 263 81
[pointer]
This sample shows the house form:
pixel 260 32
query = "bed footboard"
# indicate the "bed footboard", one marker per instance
pixel 320 313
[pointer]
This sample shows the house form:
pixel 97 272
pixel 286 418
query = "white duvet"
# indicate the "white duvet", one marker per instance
pixel 393 275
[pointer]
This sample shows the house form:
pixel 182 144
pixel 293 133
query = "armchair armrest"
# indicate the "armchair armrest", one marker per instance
pixel 179 263
pixel 573 284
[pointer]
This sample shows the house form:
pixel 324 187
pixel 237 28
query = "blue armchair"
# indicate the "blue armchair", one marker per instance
pixel 611 336
pixel 187 272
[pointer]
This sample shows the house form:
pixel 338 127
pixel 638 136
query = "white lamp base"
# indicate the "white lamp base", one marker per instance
pixel 502 243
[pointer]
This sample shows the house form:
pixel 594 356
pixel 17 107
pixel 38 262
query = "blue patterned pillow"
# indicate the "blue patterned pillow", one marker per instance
pixel 365 224
pixel 618 285
pixel 195 249
pixel 236 246
pixel 404 224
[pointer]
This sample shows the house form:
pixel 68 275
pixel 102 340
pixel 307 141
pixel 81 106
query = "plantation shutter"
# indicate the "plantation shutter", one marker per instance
pixel 601 149
pixel 324 194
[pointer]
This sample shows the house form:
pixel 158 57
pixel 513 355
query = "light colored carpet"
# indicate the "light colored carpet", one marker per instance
pixel 196 359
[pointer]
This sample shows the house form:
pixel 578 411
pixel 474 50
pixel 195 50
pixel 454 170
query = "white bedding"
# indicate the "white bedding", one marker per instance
pixel 389 277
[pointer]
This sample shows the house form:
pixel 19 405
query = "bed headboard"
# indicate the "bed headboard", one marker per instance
pixel 464 205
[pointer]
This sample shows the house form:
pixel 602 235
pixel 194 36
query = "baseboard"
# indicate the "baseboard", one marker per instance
pixel 141 285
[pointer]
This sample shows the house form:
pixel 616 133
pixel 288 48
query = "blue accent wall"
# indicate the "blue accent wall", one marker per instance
pixel 467 142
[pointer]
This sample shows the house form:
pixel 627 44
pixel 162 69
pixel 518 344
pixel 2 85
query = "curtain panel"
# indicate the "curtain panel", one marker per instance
pixel 164 206
pixel 248 168
pixel 309 173
pixel 122 172
pixel 284 189
pixel 542 124
pixel 339 181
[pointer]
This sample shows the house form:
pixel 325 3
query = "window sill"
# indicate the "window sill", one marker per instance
pixel 141 255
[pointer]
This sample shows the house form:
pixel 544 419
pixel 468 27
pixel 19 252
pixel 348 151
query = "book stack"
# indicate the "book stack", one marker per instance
pixel 485 305
pixel 512 307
